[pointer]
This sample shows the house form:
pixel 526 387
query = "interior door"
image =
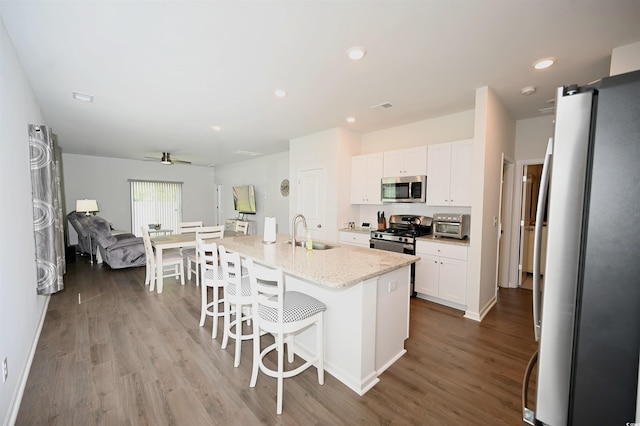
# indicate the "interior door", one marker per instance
pixel 504 220
pixel 311 201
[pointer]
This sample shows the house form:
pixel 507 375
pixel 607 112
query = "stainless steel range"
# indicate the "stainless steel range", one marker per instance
pixel 400 237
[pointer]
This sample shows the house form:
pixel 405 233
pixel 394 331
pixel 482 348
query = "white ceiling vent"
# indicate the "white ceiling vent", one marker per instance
pixel 247 153
pixel 382 105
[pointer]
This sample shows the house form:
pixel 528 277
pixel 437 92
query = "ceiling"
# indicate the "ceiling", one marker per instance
pixel 162 74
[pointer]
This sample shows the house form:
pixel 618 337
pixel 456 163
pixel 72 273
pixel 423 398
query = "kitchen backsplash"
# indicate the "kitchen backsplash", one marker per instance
pixel 368 213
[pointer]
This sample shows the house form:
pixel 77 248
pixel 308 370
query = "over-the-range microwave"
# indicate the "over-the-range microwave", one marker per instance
pixel 404 189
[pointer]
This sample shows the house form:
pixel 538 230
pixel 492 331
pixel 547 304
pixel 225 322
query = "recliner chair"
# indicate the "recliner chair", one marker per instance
pixel 116 248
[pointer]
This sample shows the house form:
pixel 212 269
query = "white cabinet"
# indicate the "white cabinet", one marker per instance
pixel 449 173
pixel 366 172
pixel 406 162
pixel 441 272
pixel 359 239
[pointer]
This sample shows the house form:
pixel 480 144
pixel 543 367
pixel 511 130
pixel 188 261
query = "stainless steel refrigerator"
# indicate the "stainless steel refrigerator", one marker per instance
pixel 587 315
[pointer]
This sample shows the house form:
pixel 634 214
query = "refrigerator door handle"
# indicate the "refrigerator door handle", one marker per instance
pixel 528 415
pixel 537 238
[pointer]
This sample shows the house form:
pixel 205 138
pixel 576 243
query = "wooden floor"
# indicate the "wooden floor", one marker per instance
pixel 127 356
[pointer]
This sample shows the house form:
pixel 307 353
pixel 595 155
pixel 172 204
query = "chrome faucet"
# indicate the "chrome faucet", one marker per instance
pixel 294 222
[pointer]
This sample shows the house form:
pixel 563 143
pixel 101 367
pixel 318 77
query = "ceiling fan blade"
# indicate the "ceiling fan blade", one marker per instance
pixel 166 159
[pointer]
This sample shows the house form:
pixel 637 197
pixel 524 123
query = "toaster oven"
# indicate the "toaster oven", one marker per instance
pixel 451 225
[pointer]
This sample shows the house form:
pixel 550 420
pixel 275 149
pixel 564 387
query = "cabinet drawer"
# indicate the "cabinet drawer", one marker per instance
pixel 356 238
pixel 453 251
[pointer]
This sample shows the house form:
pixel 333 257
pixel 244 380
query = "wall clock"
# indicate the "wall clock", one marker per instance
pixel 284 187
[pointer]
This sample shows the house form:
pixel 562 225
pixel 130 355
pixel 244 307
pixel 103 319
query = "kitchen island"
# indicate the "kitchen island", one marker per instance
pixel 367 296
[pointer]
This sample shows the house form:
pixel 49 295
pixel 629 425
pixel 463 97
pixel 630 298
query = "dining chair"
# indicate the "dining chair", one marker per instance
pixel 186 227
pixel 211 278
pixel 242 226
pixel 170 258
pixel 238 300
pixel 191 254
pixel 283 314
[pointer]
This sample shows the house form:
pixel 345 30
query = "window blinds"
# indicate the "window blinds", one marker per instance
pixel 155 202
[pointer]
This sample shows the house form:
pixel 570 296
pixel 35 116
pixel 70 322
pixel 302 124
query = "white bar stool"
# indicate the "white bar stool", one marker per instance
pixel 282 314
pixel 238 300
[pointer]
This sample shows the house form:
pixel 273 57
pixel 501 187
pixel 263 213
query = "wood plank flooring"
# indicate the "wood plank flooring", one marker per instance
pixel 125 356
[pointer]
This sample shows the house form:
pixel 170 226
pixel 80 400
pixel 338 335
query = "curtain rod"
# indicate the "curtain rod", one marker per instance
pixel 153 181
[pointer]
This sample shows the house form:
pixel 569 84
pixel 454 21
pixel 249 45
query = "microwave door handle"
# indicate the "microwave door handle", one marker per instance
pixel 537 238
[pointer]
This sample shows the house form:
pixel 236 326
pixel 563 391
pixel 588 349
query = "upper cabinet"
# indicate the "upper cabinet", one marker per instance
pixel 449 173
pixel 406 162
pixel 366 172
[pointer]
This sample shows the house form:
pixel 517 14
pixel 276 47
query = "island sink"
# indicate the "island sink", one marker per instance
pixel 314 245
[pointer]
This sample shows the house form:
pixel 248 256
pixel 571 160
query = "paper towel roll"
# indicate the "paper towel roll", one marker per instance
pixel 269 230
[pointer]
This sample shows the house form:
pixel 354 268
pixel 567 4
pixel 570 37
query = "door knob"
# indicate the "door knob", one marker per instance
pixel 319 226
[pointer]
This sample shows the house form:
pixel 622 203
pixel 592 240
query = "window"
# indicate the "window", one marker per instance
pixel 154 202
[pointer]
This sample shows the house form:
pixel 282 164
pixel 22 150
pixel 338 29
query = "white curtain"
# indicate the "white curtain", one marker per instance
pixel 48 223
pixel 155 202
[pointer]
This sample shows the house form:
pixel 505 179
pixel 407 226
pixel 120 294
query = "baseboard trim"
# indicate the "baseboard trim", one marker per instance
pixel 17 399
pixel 480 316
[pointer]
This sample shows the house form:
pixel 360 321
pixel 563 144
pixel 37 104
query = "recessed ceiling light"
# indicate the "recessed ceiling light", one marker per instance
pixel 216 128
pixel 351 119
pixel 529 90
pixel 82 97
pixel 543 63
pixel 280 93
pixel 355 53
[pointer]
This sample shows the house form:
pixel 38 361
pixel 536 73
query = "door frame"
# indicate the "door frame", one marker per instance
pixel 506 206
pixel 517 226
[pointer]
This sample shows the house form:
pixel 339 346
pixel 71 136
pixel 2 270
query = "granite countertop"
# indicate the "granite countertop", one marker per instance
pixel 339 267
pixel 444 240
pixel 357 230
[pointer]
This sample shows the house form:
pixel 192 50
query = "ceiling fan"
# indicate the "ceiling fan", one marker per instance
pixel 166 159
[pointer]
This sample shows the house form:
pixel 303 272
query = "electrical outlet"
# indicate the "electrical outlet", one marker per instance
pixel 393 286
pixel 5 369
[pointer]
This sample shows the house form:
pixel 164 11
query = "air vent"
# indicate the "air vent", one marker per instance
pixel 547 110
pixel 247 153
pixel 382 105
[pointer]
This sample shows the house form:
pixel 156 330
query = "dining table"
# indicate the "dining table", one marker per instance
pixel 173 241
pixel 165 242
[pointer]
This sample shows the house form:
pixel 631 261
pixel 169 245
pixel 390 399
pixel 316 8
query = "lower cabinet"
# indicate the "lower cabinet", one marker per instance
pixel 359 239
pixel 441 272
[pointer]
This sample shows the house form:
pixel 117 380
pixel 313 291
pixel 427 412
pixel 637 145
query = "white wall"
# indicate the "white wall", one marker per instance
pixel 106 180
pixel 494 135
pixel 625 59
pixel 21 309
pixel 327 150
pixel 447 128
pixel 532 136
pixel 265 173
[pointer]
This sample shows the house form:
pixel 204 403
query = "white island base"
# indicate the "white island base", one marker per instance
pixel 365 327
pixel 367 296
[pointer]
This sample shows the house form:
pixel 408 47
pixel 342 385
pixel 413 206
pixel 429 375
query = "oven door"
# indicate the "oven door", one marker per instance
pixel 447 229
pixel 392 246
